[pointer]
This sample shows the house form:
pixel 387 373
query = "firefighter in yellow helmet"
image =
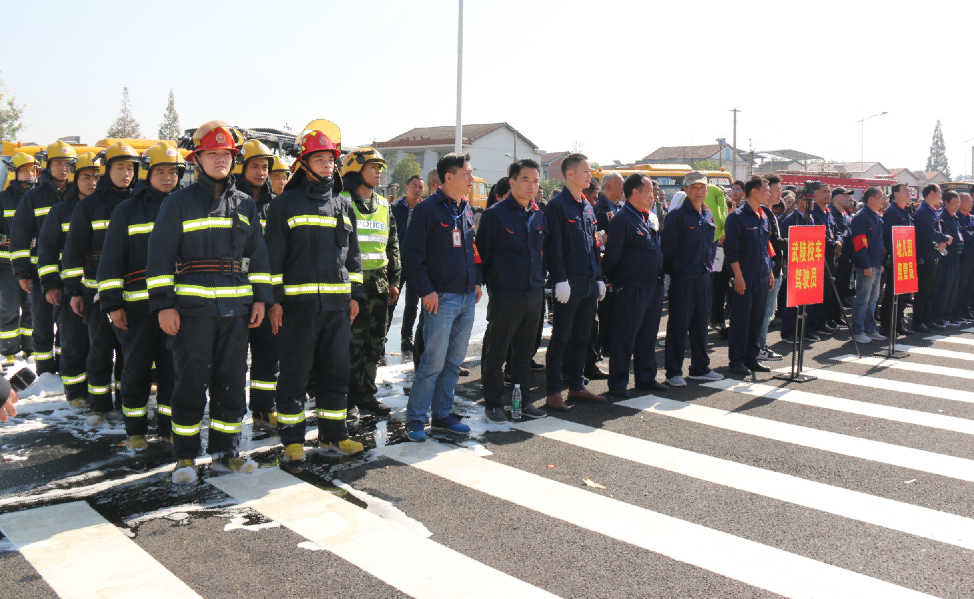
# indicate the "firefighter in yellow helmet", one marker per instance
pixel 124 297
pixel 72 332
pixel 82 255
pixel 28 220
pixel 258 160
pixel 15 323
pixel 280 173
pixel 381 266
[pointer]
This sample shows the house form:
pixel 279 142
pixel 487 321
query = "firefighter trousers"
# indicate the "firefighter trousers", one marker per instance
pixel 142 344
pixel 263 367
pixel 42 314
pixel 15 322
pixel 209 352
pixel 314 341
pixel 74 354
pixel 104 360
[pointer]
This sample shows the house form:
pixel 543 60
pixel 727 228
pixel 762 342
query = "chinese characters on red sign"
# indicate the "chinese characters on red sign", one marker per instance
pixel 806 263
pixel 904 261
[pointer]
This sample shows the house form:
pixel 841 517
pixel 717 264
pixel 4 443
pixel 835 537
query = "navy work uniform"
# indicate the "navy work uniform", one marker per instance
pixel 632 264
pixel 122 286
pixel 893 217
pixel 965 291
pixel 949 269
pixel 843 264
pixel 264 350
pixel 28 220
pixel 72 331
pixel 830 308
pixel 15 320
pixel 317 269
pixel 82 253
pixel 929 234
pixel 748 234
pixel 221 268
pixel 571 254
pixel 510 241
pixel 686 242
pixel 795 218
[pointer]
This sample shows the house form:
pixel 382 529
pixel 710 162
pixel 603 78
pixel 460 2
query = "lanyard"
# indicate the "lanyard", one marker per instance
pixel 455 216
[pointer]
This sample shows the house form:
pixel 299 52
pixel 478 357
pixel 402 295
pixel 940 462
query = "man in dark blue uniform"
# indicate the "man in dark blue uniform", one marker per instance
pixel 510 241
pixel 686 243
pixel 402 210
pixel 965 292
pixel 950 263
pixel 823 317
pixel 747 236
pixel 788 315
pixel 931 247
pixel 572 257
pixel 841 203
pixel 866 235
pixel 632 265
pixel 896 215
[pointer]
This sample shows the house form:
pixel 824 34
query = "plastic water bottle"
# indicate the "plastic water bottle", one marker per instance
pixel 516 402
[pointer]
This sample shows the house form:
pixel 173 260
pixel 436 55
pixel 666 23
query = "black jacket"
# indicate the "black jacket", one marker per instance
pixel 28 220
pixel 50 242
pixel 121 272
pixel 86 236
pixel 778 243
pixel 194 226
pixel 263 200
pixel 510 242
pixel 633 257
pixel 312 242
pixel 9 200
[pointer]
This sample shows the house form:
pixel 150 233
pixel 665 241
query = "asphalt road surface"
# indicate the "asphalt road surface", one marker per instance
pixel 857 484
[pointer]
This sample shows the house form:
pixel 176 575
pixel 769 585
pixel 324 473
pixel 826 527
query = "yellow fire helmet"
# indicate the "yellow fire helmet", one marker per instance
pixel 60 149
pixel 255 149
pixel 120 152
pixel 22 159
pixel 86 160
pixel 163 154
pixel 280 166
pixel 358 158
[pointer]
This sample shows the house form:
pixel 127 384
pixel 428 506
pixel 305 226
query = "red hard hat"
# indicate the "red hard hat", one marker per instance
pixel 215 135
pixel 316 141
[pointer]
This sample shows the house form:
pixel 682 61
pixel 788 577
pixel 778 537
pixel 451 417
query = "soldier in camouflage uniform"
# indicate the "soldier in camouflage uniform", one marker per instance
pixel 379 243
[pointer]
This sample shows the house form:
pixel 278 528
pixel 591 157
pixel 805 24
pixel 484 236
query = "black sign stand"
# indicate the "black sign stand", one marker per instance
pixel 891 352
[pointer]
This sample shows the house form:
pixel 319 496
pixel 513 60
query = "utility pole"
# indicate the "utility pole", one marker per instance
pixel 458 142
pixel 734 149
pixel 862 138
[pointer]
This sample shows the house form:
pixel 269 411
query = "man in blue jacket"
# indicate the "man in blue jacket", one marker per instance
pixel 402 210
pixel 747 234
pixel 440 260
pixel 896 215
pixel 867 258
pixel 209 278
pixel 632 264
pixel 965 291
pixel 572 258
pixel 931 247
pixel 950 263
pixel 510 241
pixel 686 242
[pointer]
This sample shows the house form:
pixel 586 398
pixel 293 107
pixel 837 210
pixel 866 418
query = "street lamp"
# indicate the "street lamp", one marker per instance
pixel 862 138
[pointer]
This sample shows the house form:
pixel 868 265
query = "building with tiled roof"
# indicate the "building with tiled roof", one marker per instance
pixel 721 152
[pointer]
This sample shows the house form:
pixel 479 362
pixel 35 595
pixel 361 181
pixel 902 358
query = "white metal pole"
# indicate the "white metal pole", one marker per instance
pixel 458 143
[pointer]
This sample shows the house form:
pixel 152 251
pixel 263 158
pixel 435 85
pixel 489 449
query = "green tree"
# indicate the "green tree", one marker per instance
pixel 707 165
pixel 404 169
pixel 10 112
pixel 937 161
pixel 549 185
pixel 125 126
pixel 169 129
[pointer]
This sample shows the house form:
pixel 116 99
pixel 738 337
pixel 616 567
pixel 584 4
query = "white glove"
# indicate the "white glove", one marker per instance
pixel 601 291
pixel 563 292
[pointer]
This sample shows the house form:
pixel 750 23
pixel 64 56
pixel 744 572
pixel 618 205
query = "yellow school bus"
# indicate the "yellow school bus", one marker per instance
pixel 669 176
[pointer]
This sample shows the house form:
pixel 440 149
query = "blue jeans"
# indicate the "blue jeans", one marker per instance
pixel 863 307
pixel 772 307
pixel 446 335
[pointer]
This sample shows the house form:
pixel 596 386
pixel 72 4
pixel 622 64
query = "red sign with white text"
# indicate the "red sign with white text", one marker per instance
pixel 806 264
pixel 905 261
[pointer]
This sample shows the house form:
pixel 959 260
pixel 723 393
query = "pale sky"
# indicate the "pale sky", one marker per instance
pixel 623 78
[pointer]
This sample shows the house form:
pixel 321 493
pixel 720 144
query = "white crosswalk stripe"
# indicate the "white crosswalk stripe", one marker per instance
pixel 936 351
pixel 876 382
pixel 931 524
pixel 959 373
pixel 741 559
pixel 877 451
pixel 850 406
pixel 401 559
pixel 83 556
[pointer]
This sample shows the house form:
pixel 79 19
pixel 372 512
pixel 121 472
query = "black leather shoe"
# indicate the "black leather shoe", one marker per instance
pixel 758 367
pixel 651 386
pixel 621 393
pixel 812 337
pixel 407 344
pixel 536 366
pixel 464 371
pixel 902 330
pixel 596 374
pixel 921 328
pixel 740 369
pixel 936 326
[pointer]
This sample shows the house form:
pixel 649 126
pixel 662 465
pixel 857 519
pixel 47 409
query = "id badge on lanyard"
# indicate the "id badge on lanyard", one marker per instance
pixel 457 239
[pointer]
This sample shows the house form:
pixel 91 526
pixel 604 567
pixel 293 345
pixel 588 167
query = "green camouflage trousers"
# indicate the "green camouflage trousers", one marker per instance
pixel 368 345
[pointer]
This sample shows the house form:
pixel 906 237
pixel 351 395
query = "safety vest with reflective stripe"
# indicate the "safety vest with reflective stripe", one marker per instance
pixel 373 233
